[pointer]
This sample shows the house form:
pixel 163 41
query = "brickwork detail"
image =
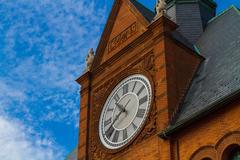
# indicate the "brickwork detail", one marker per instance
pixel 220 150
pixel 97 151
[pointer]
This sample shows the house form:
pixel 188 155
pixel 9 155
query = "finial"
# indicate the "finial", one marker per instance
pixel 160 8
pixel 89 59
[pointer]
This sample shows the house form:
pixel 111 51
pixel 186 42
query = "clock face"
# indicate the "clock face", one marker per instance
pixel 125 111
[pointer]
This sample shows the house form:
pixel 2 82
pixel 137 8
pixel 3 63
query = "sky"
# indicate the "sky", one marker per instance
pixel 43 45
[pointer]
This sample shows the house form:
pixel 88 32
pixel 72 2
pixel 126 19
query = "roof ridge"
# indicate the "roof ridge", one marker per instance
pixel 224 12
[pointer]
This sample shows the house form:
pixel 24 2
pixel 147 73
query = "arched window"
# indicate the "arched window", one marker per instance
pixel 235 154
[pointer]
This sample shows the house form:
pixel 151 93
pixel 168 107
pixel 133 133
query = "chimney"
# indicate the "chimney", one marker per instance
pixel 191 16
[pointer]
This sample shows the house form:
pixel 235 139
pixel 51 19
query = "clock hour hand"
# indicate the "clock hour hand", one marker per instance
pixel 120 107
pixel 111 129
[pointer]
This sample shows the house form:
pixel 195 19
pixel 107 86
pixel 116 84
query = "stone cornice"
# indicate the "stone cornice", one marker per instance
pixel 85 76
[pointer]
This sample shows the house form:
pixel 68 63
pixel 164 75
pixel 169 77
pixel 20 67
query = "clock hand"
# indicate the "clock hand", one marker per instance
pixel 127 103
pixel 126 106
pixel 124 110
pixel 111 129
pixel 120 107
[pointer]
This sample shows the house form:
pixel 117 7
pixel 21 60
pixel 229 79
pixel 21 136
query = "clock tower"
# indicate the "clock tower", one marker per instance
pixel 133 85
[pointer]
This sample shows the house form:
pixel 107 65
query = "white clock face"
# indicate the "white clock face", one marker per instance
pixel 125 111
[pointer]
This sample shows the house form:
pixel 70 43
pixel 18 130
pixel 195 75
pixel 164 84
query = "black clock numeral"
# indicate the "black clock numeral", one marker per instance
pixel 115 137
pixel 141 89
pixel 125 89
pixel 110 109
pixel 125 135
pixel 116 97
pixel 109 132
pixel 107 122
pixel 140 113
pixel 135 83
pixel 134 126
pixel 143 100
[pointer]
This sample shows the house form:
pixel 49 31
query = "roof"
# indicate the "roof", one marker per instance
pixel 218 76
pixel 211 3
pixel 179 37
pixel 147 13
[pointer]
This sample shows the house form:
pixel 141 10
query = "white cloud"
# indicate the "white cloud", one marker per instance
pixel 45 44
pixel 17 142
pixel 45 48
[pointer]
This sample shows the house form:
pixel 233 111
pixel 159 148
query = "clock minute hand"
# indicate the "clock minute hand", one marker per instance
pixel 120 107
pixel 123 110
pixel 126 106
pixel 111 129
pixel 127 103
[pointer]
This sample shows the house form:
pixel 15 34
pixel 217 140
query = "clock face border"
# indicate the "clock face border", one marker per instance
pixel 148 79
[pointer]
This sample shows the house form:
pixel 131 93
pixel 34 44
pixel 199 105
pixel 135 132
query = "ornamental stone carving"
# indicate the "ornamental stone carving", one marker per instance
pixel 160 8
pixel 89 59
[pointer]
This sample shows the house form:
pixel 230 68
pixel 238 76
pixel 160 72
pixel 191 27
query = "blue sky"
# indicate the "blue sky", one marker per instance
pixel 43 45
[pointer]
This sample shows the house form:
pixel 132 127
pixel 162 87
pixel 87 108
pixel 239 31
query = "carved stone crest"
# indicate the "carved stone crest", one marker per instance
pixel 89 59
pixel 160 8
pixel 148 62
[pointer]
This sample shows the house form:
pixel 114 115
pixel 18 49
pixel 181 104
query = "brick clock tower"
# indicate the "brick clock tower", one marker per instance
pixel 140 73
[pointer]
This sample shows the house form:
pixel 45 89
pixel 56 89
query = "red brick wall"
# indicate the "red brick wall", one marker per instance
pixel 211 135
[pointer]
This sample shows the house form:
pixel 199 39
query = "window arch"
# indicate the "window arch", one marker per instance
pixel 204 153
pixel 206 159
pixel 235 154
pixel 232 152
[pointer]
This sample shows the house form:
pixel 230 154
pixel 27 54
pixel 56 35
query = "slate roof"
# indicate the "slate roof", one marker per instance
pixel 219 75
pixel 179 37
pixel 147 13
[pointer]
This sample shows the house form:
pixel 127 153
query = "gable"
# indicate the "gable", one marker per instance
pixel 125 23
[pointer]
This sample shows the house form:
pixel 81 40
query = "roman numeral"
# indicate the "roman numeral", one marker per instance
pixel 109 132
pixel 143 100
pixel 110 109
pixel 125 89
pixel 116 97
pixel 125 135
pixel 135 83
pixel 134 126
pixel 115 137
pixel 140 91
pixel 140 113
pixel 107 122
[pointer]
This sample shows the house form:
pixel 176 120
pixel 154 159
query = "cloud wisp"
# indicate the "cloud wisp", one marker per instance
pixel 18 143
pixel 43 46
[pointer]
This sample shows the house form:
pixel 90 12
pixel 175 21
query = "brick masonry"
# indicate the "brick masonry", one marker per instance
pixel 170 67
